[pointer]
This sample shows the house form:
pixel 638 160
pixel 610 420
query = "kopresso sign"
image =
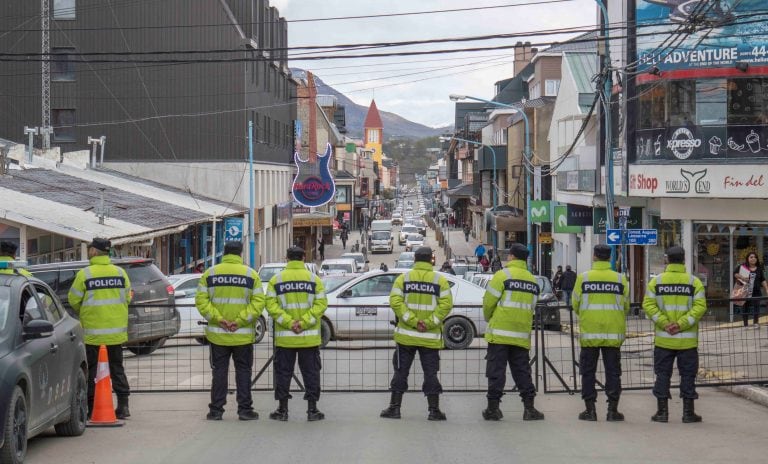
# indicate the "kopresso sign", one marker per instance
pixel 703 181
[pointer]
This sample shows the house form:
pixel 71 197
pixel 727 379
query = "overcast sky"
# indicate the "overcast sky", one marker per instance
pixel 425 101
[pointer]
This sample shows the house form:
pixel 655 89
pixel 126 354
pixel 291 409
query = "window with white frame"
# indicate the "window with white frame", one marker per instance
pixel 551 87
pixel 534 91
pixel 373 136
pixel 64 9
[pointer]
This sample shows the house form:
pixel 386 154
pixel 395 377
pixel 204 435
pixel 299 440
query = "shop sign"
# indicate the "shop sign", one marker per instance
pixel 312 222
pixel 704 181
pixel 634 219
pixel 541 211
pixel 725 43
pixel 692 142
pixel 579 215
pixel 313 185
pixel 561 222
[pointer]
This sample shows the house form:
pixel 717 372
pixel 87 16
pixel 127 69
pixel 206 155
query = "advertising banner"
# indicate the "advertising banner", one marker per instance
pixel 561 222
pixel 699 181
pixel 738 34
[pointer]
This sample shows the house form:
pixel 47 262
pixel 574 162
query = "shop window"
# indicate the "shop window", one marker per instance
pixel 652 105
pixel 670 233
pixel 682 103
pixel 711 102
pixel 747 101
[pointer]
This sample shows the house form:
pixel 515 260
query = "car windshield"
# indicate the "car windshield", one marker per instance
pixel 409 229
pixel 5 303
pixel 359 258
pixel 381 235
pixel 333 282
pixel 266 273
pixel 336 267
pixel 544 286
pixel 404 263
pixel 415 238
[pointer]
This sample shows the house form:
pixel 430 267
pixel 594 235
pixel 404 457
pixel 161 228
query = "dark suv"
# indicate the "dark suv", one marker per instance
pixel 152 316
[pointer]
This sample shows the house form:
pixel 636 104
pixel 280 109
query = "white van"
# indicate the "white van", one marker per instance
pixel 381 236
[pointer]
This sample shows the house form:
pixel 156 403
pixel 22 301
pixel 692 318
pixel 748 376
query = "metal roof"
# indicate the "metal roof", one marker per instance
pixel 583 67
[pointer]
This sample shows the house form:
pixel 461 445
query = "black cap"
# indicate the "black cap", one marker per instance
pixel 234 247
pixel 295 253
pixel 519 251
pixel 675 254
pixel 101 244
pixel 8 248
pixel 423 254
pixel 602 252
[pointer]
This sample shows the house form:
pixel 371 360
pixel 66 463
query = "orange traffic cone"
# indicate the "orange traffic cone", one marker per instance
pixel 103 414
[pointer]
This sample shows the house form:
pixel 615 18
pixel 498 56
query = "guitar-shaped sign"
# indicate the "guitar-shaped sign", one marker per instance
pixel 313 185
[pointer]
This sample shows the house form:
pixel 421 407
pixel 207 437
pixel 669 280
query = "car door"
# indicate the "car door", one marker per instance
pixel 363 311
pixel 40 356
pixel 66 337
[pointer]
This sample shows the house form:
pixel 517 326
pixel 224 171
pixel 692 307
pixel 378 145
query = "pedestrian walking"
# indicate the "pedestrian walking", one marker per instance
pixel 480 251
pixel 675 301
pixel 296 302
pixel 557 277
pixel 601 301
pixel 567 283
pixel 231 299
pixel 508 307
pixel 100 296
pixel 421 299
pixel 467 230
pixel 344 237
pixel 321 248
pixel 483 261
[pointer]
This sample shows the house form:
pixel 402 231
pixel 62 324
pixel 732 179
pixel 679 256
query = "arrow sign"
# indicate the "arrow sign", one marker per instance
pixel 614 236
pixel 632 236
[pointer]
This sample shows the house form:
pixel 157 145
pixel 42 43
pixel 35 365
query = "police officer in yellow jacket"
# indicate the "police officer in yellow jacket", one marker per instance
pixel 230 297
pixel 8 253
pixel 675 301
pixel 296 301
pixel 421 299
pixel 100 296
pixel 508 307
pixel 601 300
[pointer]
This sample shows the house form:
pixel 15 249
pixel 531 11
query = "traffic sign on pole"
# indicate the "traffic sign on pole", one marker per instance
pixel 632 236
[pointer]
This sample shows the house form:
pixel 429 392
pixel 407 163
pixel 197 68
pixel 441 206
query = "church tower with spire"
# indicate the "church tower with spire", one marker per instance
pixel 373 132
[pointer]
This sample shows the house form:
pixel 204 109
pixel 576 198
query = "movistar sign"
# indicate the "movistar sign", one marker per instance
pixel 541 211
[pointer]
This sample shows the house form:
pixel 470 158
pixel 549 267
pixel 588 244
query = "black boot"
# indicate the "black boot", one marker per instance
pixel 281 413
pixel 492 412
pixel 529 412
pixel 435 414
pixel 689 415
pixel 393 411
pixel 248 414
pixel 589 414
pixel 313 414
pixel 613 412
pixel 662 410
pixel 122 411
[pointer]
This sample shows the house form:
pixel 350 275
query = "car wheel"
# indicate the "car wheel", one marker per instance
pixel 15 430
pixel 458 333
pixel 78 409
pixel 201 340
pixel 260 329
pixel 326 332
pixel 148 347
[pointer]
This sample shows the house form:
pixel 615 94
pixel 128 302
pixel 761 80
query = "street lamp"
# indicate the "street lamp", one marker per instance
pixel 526 154
pixel 494 185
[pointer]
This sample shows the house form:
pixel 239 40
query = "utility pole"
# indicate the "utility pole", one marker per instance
pixel 31 132
pixel 45 45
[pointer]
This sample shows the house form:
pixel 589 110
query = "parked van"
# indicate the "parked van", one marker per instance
pixel 152 315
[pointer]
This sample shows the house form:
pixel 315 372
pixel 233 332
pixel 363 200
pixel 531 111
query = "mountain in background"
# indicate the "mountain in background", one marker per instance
pixel 394 126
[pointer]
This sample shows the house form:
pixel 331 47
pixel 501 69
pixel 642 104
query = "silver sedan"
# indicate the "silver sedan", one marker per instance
pixel 359 310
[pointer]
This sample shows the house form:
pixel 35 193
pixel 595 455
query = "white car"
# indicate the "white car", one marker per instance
pixel 359 310
pixel 405 260
pixel 362 263
pixel 338 266
pixel 414 241
pixel 185 289
pixel 267 270
pixel 397 219
pixel 405 231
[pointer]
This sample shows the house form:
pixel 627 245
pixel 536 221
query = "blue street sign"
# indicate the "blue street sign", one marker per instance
pixel 233 229
pixel 632 236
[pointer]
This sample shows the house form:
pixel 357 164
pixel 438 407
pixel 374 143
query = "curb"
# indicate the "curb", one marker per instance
pixel 750 392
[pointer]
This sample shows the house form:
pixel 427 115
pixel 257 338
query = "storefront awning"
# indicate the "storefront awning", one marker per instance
pixel 312 220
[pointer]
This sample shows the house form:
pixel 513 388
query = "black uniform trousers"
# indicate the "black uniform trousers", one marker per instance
pixel 116 371
pixel 430 364
pixel 309 365
pixel 687 364
pixel 242 356
pixel 588 366
pixel 497 358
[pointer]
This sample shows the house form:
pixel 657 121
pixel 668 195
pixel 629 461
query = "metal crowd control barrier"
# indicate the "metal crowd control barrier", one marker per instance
pixel 358 358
